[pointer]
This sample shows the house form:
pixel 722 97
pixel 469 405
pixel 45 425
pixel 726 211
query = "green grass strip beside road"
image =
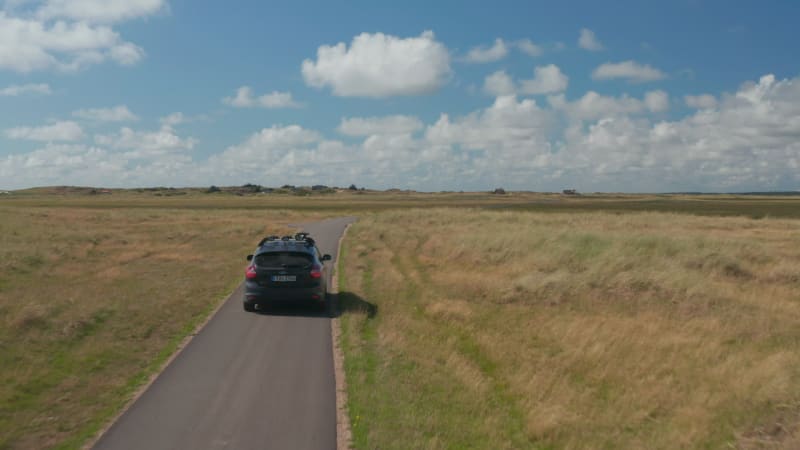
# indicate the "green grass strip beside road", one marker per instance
pixel 125 395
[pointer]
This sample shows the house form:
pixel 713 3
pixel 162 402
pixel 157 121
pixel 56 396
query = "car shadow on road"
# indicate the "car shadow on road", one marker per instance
pixel 293 309
pixel 342 303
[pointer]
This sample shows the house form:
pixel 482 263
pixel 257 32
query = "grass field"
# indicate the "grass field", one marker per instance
pixel 347 201
pixel 564 327
pixel 575 330
pixel 93 300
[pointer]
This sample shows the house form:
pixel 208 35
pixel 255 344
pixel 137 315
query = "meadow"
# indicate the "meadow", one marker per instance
pixel 93 301
pixel 516 330
pixel 470 320
pixel 345 201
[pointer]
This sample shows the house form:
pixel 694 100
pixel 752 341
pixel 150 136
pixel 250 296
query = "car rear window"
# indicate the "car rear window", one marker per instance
pixel 283 259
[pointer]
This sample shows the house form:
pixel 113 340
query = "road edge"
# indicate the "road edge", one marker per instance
pixel 344 436
pixel 154 376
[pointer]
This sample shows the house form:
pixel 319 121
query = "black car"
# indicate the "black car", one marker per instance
pixel 286 269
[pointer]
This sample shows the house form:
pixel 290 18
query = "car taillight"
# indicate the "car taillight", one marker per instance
pixel 316 271
pixel 250 273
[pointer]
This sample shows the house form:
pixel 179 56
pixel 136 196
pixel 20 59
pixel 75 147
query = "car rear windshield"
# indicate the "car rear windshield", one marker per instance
pixel 283 260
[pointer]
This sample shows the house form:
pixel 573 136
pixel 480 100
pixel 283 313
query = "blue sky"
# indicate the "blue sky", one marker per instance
pixel 632 96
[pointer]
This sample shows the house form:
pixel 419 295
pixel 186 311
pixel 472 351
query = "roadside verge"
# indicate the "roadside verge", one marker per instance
pixel 344 436
pixel 152 377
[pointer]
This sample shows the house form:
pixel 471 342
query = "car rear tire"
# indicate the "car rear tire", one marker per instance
pixel 249 307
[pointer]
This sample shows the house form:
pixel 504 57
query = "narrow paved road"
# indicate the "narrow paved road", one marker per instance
pixel 246 381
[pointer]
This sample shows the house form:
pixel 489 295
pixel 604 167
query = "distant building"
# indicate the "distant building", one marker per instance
pixel 570 192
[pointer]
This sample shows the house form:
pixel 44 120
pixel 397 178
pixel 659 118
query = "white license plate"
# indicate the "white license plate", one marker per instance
pixel 282 278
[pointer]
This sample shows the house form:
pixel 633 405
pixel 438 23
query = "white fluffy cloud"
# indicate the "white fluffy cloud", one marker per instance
pixel 588 41
pixel 499 145
pixel 750 140
pixel 146 144
pixel 379 65
pixel 70 35
pixel 246 99
pixel 276 138
pixel 84 165
pixel 124 159
pixel 59 131
pixel 547 80
pixel 509 124
pixel 629 70
pixel 27 45
pixel 282 154
pixel 126 54
pixel 390 125
pixel 529 48
pixel 656 101
pixel 15 90
pixel 67 164
pixel 593 106
pixel 173 119
pixel 503 140
pixel 102 11
pixel 119 113
pixel 499 84
pixel 704 101
pixel 481 55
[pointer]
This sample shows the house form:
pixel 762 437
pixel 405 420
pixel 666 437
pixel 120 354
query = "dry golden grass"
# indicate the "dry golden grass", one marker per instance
pixel 558 330
pixel 92 300
pixel 774 206
pixel 584 330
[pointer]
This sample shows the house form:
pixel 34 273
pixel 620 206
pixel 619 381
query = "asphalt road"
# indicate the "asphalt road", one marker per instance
pixel 246 381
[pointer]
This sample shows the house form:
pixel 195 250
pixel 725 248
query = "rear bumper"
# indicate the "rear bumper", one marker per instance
pixel 253 293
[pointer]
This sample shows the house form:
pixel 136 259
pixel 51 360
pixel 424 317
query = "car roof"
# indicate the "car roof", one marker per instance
pixel 290 245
